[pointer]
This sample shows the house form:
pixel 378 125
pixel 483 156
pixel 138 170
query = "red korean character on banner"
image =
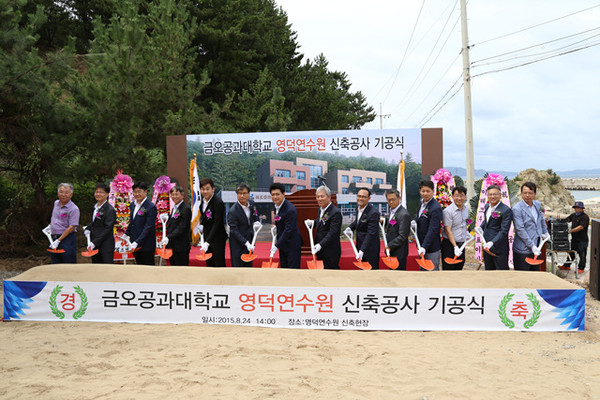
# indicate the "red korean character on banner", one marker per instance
pixel 68 301
pixel 519 309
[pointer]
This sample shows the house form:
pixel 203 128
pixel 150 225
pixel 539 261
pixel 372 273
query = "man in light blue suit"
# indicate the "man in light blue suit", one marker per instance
pixel 530 228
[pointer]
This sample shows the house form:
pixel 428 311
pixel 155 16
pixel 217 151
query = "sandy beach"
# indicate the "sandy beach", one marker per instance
pixel 87 360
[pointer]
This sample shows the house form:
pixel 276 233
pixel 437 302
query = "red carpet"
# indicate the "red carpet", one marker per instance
pixel 346 262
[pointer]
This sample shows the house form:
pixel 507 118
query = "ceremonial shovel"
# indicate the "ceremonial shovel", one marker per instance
pixel 360 264
pixel 47 231
pixel 423 263
pixel 534 260
pixel 479 231
pixel 391 262
pixel 203 256
pixel 163 252
pixel 314 264
pixel 249 257
pixel 270 263
pixel 89 252
pixel 455 260
pixel 128 249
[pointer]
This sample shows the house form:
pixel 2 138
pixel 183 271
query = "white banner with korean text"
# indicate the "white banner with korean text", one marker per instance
pixel 340 308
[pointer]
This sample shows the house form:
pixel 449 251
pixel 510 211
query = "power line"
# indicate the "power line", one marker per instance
pixel 537 25
pixel 442 99
pixel 534 46
pixel 405 51
pixel 538 60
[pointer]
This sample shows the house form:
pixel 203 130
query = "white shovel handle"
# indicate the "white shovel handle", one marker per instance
pixel 256 229
pixel 163 220
pixel 309 226
pixel 350 237
pixel 87 236
pixel 416 237
pixel 48 235
pixel 381 225
pixel 469 240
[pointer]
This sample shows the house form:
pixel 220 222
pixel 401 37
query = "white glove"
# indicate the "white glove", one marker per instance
pixel 204 247
pixel 87 232
pixel 535 251
pixel 256 224
pixel 125 237
pixel 545 236
pixel 55 244
pixel 165 241
pixel 457 251
pixel 347 231
pixel 273 251
pixel 360 255
pixel 316 248
pixel 488 245
pixel 249 246
pixel 421 251
pixel 134 245
pixel 200 229
pixel 92 246
pixel 413 224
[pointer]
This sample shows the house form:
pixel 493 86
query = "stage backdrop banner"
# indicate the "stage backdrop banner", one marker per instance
pixel 342 308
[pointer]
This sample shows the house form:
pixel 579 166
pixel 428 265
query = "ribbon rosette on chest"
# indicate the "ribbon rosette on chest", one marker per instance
pixel 64 214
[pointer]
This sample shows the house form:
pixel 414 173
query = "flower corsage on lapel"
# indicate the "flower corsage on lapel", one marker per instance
pixel 98 214
pixel 496 214
pixel 141 212
pixel 324 218
pixel 393 221
pixel 176 215
pixel 425 213
pixel 277 218
pixel 208 214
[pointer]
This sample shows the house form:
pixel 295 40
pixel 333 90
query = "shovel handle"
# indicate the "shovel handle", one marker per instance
pixel 352 244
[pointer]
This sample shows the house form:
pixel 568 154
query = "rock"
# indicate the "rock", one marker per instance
pixel 551 191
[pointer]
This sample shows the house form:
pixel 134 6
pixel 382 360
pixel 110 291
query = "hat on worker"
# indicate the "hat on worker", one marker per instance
pixel 578 204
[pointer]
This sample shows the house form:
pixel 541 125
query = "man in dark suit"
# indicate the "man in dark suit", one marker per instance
pixel 241 218
pixel 397 228
pixel 289 240
pixel 328 227
pixel 429 223
pixel 212 219
pixel 102 226
pixel 140 232
pixel 366 226
pixel 179 229
pixel 496 224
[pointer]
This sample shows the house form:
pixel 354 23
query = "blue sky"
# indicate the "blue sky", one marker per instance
pixel 543 115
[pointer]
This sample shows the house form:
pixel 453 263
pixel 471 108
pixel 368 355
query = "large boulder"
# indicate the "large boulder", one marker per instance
pixel 551 191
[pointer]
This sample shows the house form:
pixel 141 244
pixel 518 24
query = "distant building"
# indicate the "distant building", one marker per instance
pixel 349 181
pixel 293 177
pixel 318 168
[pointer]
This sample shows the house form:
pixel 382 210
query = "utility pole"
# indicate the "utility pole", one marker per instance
pixel 382 116
pixel 467 91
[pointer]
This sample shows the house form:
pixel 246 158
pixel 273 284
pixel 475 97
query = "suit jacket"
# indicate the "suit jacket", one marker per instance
pixel 327 234
pixel 213 220
pixel 240 230
pixel 101 229
pixel 429 224
pixel 496 229
pixel 141 228
pixel 367 235
pixel 179 228
pixel 397 234
pixel 527 229
pixel 288 234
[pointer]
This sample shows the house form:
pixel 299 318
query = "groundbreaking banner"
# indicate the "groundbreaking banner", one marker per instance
pixel 299 307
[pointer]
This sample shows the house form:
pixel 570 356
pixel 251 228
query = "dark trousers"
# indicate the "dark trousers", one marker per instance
pixel 500 262
pixel 581 249
pixel 448 251
pixel 329 262
pixel 103 258
pixel 69 245
pixel 144 257
pixel 521 264
pixel 180 258
pixel 218 256
pixel 289 258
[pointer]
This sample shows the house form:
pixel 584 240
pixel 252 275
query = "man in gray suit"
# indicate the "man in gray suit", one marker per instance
pixel 530 227
pixel 397 228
